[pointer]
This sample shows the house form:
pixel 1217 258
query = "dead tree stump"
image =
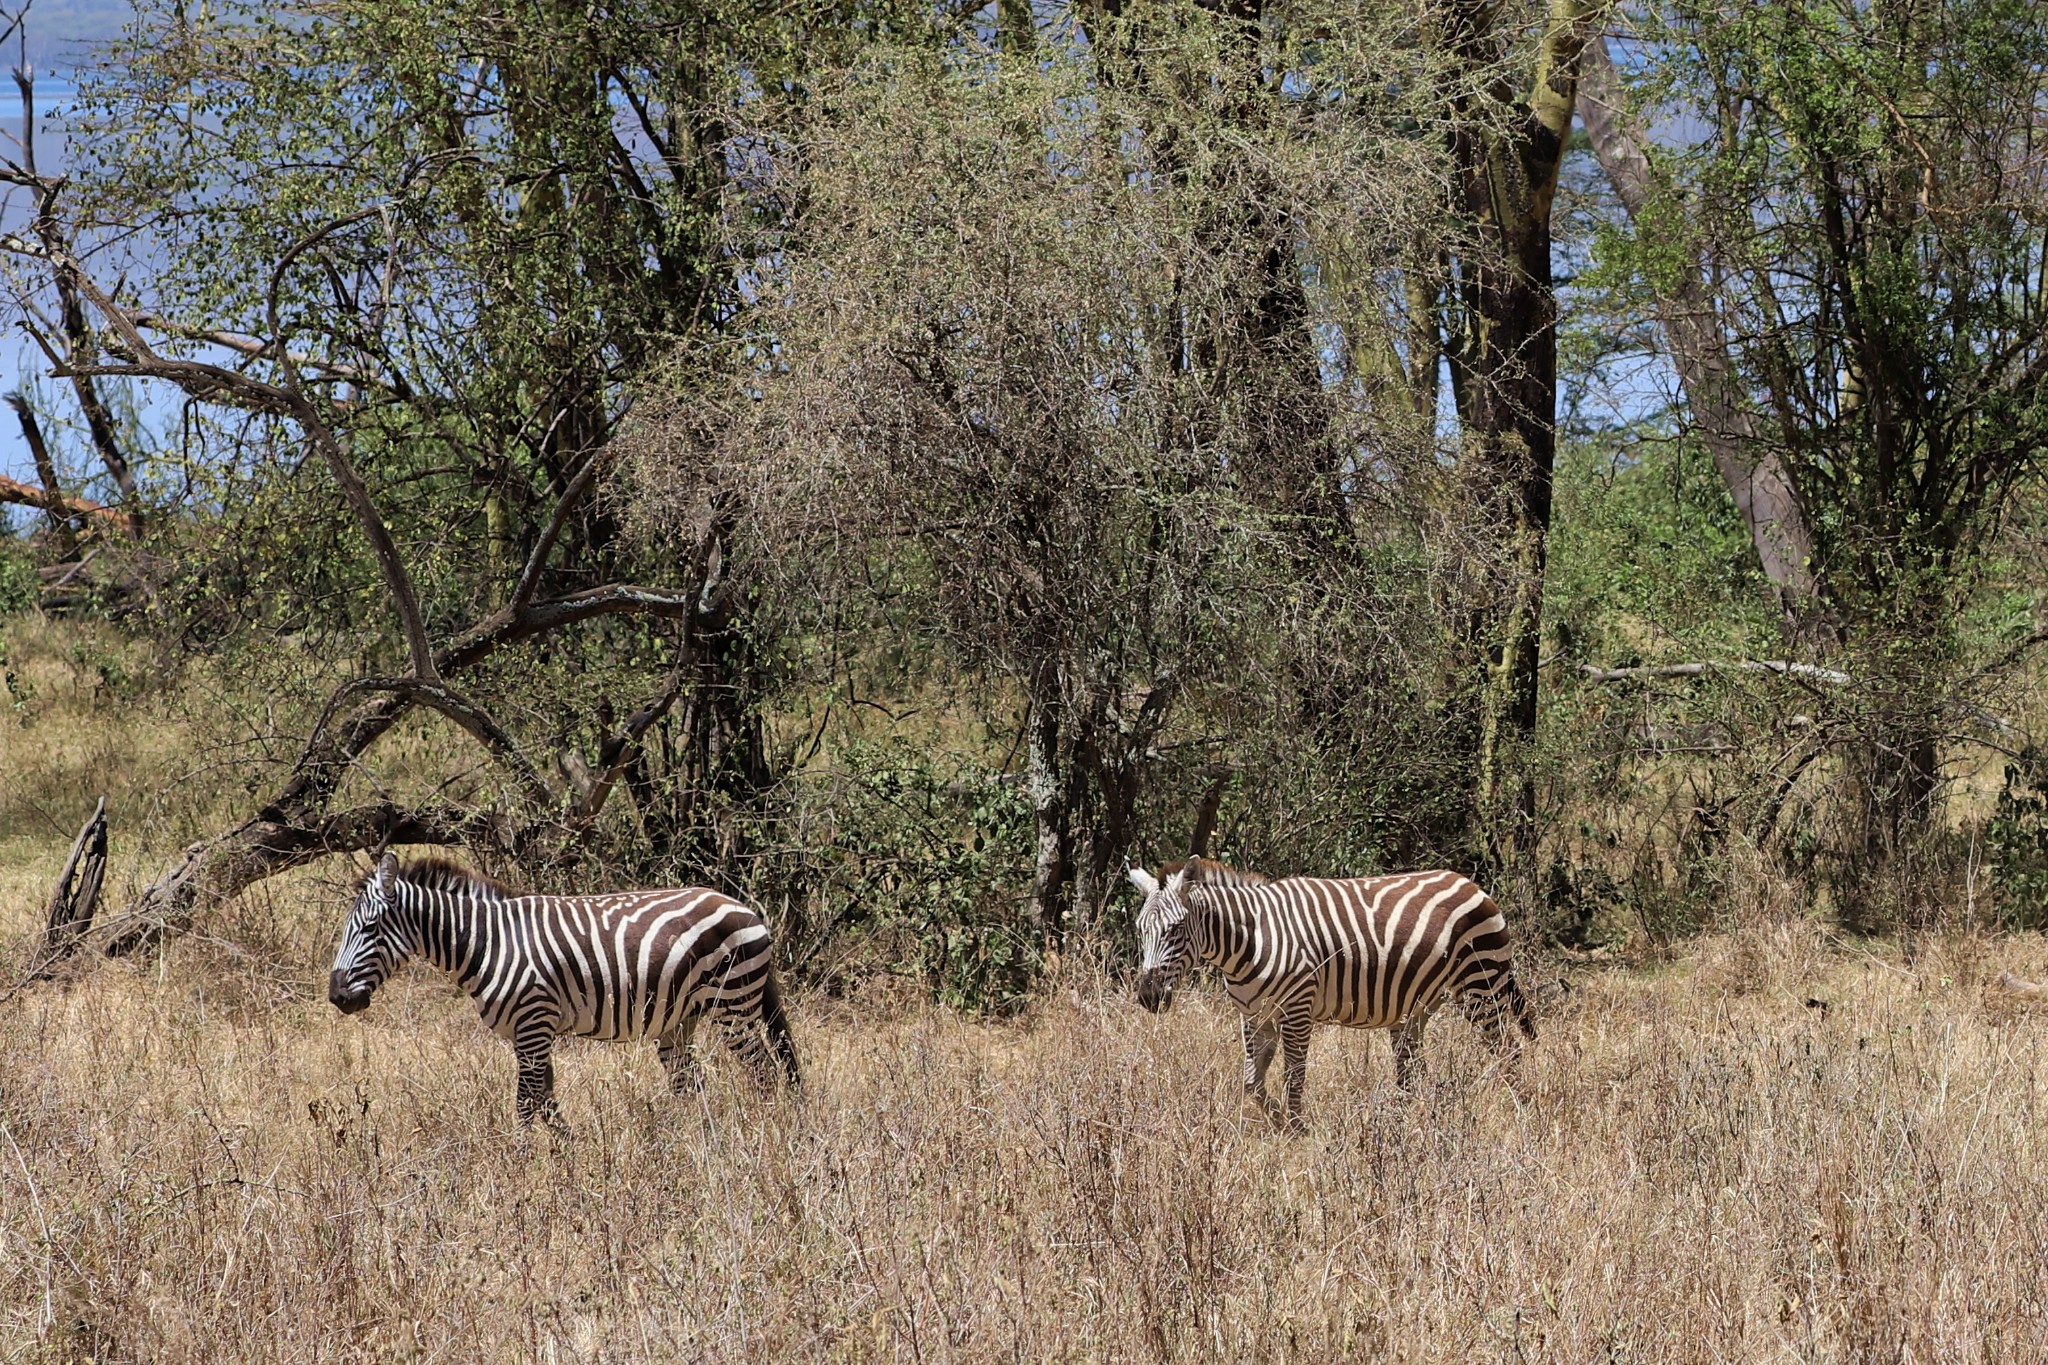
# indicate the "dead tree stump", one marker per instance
pixel 78 889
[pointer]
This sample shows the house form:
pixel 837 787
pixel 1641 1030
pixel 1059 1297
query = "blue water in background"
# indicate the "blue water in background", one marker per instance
pixel 54 92
pixel 22 365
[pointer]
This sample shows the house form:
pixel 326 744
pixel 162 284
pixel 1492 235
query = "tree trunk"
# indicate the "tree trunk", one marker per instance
pixel 1505 369
pixel 1053 858
pixel 46 474
pixel 1750 466
pixel 1107 775
pixel 78 887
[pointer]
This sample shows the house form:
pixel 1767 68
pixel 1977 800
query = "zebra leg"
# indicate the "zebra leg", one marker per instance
pixel 1261 1040
pixel 679 1058
pixel 744 1036
pixel 535 1049
pixel 1408 1050
pixel 1486 1012
pixel 1294 1027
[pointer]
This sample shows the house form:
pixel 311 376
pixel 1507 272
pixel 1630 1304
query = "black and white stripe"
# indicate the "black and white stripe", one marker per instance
pixel 633 964
pixel 1373 952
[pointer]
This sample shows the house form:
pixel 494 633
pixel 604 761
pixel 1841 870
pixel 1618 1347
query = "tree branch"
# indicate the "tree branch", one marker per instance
pixel 397 580
pixel 536 563
pixel 250 347
pixel 54 503
pixel 13 490
pixel 213 382
pixel 460 709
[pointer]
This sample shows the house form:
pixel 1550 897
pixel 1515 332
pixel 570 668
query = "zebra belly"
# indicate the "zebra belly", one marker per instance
pixel 1378 998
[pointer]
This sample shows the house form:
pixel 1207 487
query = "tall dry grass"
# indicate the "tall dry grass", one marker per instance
pixel 200 1160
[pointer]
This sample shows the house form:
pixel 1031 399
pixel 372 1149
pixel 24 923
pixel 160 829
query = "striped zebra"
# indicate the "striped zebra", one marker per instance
pixel 1372 952
pixel 627 965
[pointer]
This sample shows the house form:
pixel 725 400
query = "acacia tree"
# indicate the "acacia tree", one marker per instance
pixel 425 253
pixel 1481 98
pixel 1847 259
pixel 997 373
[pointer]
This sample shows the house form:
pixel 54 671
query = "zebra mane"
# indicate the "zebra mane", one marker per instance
pixel 1209 872
pixel 445 874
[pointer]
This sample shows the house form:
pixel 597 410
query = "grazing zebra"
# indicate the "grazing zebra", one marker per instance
pixel 627 965
pixel 1372 952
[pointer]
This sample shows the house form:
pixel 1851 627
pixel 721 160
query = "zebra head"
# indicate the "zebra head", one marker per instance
pixel 372 943
pixel 1163 931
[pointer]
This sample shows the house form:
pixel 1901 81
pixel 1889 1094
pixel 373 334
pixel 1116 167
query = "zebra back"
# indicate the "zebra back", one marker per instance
pixel 1369 952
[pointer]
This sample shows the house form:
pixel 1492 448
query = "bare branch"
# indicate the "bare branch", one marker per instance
pixel 14 491
pixel 465 713
pixel 536 563
pixel 250 347
pixel 215 383
pixel 618 751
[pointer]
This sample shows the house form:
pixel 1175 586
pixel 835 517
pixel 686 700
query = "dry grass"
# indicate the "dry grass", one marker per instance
pixel 199 1160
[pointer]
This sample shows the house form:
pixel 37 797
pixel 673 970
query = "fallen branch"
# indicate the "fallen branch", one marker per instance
pixel 1781 667
pixel 295 827
pixel 1977 716
pixel 216 868
pixel 27 495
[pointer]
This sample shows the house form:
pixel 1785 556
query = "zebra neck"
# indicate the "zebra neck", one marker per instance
pixel 1222 923
pixel 450 929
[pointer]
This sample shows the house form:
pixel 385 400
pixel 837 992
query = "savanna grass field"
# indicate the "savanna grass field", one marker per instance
pixel 1768 1144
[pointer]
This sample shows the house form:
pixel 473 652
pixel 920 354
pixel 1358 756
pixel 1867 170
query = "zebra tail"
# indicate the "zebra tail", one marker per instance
pixel 777 1025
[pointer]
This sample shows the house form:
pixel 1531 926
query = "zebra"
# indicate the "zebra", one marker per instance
pixel 1372 952
pixel 620 966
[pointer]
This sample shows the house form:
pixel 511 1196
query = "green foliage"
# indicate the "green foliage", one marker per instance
pixel 1876 237
pixel 932 859
pixel 21 693
pixel 2016 838
pixel 18 581
pixel 1649 551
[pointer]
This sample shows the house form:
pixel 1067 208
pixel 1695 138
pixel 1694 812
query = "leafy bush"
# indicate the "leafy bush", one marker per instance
pixel 2017 840
pixel 935 860
pixel 18 581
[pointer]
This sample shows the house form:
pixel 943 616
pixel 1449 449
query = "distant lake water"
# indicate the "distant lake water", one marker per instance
pixel 54 93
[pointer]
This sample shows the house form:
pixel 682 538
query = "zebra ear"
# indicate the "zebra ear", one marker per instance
pixel 1142 879
pixel 387 873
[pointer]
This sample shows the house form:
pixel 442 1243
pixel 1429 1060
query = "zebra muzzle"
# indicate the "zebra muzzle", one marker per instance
pixel 1154 993
pixel 342 998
